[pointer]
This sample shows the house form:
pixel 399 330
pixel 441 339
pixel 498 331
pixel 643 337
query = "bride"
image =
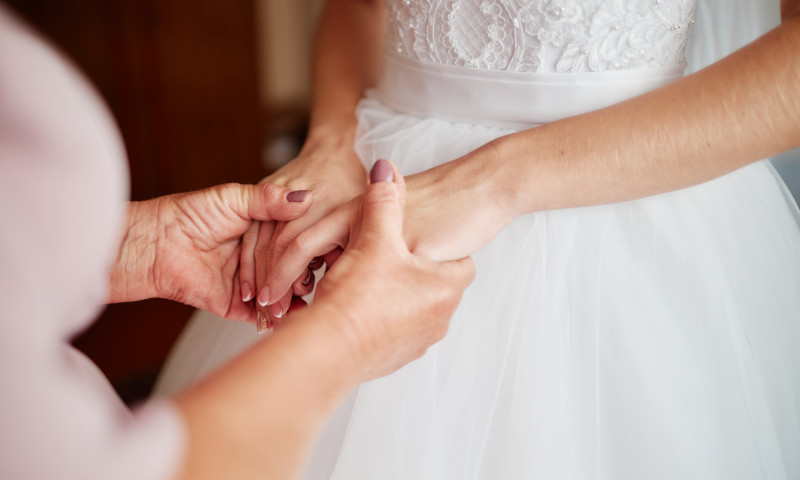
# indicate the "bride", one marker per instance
pixel 636 309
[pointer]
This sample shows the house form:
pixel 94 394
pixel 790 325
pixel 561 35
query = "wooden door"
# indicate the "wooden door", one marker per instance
pixel 181 80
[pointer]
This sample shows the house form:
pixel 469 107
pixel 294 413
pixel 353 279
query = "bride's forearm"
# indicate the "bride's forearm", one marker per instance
pixel 346 61
pixel 739 110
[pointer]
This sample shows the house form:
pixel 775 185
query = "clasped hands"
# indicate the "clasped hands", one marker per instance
pixel 187 248
pixel 449 214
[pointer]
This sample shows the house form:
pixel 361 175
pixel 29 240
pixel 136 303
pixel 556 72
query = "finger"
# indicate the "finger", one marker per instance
pixel 304 284
pixel 331 257
pixel 382 211
pixel 236 309
pixel 279 308
pixel 297 304
pixel 247 263
pixel 271 202
pixel 322 237
pixel 261 256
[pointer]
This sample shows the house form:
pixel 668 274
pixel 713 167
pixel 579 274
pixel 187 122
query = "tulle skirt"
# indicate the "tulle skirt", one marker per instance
pixel 649 339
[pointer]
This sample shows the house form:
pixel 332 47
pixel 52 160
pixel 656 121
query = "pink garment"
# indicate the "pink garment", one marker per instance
pixel 63 182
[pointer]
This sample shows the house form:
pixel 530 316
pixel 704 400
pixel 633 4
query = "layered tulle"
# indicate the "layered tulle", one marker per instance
pixel 648 339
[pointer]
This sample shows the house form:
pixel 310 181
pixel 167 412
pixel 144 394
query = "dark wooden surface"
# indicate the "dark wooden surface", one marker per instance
pixel 181 80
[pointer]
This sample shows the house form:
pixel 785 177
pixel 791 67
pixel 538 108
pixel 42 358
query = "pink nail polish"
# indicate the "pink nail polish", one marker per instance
pixel 276 310
pixel 382 171
pixel 263 297
pixel 247 294
pixel 309 277
pixel 297 196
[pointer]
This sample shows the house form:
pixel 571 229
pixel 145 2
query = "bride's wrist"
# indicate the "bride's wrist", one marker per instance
pixel 330 139
pixel 508 163
pixel 476 177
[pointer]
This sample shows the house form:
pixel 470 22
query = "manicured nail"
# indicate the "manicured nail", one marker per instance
pixel 297 196
pixel 247 294
pixel 382 171
pixel 276 310
pixel 309 277
pixel 262 323
pixel 263 297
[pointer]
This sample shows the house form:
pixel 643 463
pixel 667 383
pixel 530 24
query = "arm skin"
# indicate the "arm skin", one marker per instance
pixel 739 110
pixel 346 61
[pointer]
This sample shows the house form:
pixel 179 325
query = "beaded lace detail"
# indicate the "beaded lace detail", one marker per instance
pixel 542 35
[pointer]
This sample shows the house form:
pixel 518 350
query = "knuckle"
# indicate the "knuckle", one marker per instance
pixel 301 242
pixel 284 240
pixel 271 191
pixel 382 193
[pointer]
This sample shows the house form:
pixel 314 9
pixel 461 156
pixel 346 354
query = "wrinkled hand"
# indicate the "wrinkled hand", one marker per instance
pixel 334 181
pixel 198 242
pixel 444 220
pixel 367 292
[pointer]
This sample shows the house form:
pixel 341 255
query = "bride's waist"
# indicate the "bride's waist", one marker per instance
pixel 508 99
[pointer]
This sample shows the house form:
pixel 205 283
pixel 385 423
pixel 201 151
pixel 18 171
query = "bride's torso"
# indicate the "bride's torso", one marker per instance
pixel 542 36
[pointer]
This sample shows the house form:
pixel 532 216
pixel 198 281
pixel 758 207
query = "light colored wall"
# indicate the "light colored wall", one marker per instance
pixel 285 30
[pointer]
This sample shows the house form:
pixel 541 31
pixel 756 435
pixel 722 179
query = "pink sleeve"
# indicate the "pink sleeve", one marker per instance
pixel 63 185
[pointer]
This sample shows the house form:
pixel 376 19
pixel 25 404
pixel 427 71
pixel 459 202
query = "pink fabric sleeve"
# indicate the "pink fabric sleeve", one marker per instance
pixel 63 185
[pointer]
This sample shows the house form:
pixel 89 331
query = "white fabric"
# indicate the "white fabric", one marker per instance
pixel 648 339
pixel 508 99
pixel 541 36
pixel 62 188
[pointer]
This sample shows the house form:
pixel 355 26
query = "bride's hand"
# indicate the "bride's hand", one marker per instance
pixel 450 213
pixel 334 175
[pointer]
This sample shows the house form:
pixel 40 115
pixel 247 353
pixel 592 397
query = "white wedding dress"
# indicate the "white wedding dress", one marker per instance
pixel 649 339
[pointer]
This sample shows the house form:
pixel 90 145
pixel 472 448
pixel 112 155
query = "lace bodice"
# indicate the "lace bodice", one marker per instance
pixel 542 35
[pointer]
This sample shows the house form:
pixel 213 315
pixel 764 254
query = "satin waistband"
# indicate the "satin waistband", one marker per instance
pixel 508 99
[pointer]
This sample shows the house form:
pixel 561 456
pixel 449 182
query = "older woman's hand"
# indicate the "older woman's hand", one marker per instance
pixel 186 247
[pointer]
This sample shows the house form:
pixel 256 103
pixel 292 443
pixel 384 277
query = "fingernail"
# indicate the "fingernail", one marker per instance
pixel 276 310
pixel 247 294
pixel 297 196
pixel 263 297
pixel 262 323
pixel 309 277
pixel 382 171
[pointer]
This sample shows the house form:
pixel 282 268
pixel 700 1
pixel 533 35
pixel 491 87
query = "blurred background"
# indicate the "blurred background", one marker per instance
pixel 204 92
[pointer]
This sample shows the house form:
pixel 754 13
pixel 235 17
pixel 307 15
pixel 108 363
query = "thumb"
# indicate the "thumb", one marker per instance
pixel 272 202
pixel 382 210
